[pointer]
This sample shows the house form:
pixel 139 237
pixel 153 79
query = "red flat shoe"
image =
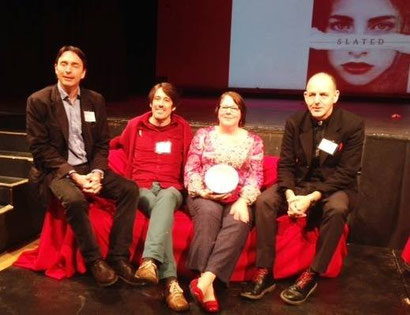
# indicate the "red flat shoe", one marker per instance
pixel 211 306
pixel 198 295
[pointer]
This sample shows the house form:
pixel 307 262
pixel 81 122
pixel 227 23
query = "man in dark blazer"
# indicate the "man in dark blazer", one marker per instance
pixel 68 136
pixel 319 161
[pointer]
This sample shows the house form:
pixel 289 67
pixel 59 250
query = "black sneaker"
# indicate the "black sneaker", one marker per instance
pixel 261 284
pixel 303 287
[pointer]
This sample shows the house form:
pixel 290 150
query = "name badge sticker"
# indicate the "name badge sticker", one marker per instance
pixel 89 116
pixel 328 146
pixel 163 147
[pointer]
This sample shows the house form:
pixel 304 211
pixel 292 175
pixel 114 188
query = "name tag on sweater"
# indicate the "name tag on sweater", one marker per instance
pixel 163 147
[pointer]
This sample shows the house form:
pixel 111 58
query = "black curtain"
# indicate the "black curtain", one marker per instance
pixel 383 218
pixel 118 37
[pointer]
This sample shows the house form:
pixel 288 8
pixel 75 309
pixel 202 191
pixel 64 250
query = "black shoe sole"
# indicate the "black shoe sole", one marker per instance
pixel 261 295
pixel 140 283
pixel 298 302
pixel 149 281
pixel 107 284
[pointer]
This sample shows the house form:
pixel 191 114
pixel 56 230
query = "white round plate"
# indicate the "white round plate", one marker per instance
pixel 221 178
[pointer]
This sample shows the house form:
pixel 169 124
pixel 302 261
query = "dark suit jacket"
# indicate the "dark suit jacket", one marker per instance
pixel 47 133
pixel 339 170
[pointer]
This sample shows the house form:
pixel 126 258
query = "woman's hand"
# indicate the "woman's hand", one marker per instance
pixel 239 210
pixel 208 194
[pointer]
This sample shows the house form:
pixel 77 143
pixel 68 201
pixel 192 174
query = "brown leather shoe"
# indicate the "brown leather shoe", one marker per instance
pixel 174 296
pixel 148 271
pixel 126 271
pixel 103 273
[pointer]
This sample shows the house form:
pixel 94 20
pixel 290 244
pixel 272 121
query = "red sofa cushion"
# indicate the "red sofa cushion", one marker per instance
pixel 270 170
pixel 406 252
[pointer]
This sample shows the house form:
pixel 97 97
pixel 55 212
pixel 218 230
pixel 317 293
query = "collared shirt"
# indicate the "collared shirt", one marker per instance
pixel 76 147
pixel 158 155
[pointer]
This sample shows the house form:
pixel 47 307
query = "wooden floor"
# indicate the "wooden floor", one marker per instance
pixel 8 257
pixel 372 282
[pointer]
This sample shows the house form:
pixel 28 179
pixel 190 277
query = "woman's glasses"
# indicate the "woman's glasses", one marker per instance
pixel 226 108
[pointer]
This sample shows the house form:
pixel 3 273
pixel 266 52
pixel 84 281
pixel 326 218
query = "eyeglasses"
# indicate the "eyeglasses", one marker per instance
pixel 226 108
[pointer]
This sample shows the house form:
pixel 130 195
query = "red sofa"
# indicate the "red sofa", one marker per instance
pixel 406 252
pixel 58 255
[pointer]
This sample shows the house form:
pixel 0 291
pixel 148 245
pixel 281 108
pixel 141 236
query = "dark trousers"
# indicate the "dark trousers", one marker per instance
pixel 331 212
pixel 218 238
pixel 125 194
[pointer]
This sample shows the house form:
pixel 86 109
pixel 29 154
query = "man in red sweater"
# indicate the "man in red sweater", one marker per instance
pixel 155 146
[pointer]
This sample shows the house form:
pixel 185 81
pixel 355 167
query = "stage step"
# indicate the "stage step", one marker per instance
pixel 12 121
pixel 7 181
pixel 5 208
pixel 5 196
pixel 21 215
pixel 15 164
pixel 7 184
pixel 13 141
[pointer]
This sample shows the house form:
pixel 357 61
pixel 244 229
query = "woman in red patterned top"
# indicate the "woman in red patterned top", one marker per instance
pixel 222 220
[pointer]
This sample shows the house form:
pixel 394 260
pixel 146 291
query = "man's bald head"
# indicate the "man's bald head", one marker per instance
pixel 320 95
pixel 322 76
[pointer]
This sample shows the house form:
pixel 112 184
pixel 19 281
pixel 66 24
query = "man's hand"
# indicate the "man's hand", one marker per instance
pixel 94 183
pixel 239 210
pixel 80 180
pixel 90 183
pixel 298 206
pixel 294 209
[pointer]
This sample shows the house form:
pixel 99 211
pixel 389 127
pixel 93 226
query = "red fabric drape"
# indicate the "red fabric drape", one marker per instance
pixel 59 257
pixel 406 252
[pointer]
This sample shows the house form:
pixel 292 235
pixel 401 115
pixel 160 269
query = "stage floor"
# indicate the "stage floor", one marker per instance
pixel 372 282
pixel 381 118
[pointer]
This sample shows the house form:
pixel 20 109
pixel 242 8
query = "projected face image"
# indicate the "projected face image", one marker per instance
pixel 361 65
